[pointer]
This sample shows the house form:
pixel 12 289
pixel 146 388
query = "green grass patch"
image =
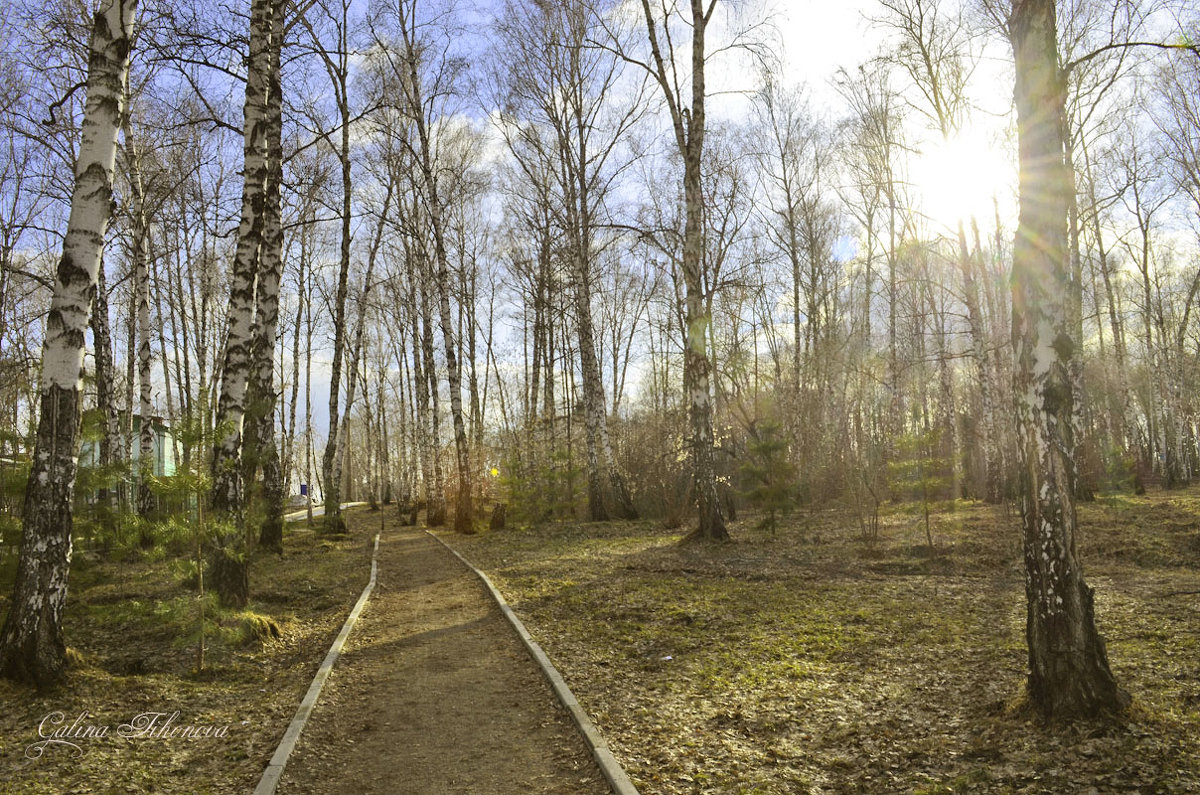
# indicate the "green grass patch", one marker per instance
pixel 133 625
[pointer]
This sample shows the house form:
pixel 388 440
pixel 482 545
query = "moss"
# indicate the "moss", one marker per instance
pixel 256 628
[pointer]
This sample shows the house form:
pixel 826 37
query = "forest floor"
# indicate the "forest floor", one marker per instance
pixel 132 628
pixel 812 660
pixel 433 692
pixel 806 660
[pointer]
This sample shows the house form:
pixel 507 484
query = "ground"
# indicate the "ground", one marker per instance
pixel 132 629
pixel 434 693
pixel 813 660
pixel 809 660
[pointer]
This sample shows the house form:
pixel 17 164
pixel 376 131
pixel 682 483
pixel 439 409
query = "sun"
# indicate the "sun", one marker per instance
pixel 962 178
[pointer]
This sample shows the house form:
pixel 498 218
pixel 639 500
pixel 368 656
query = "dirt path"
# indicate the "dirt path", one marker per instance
pixel 434 694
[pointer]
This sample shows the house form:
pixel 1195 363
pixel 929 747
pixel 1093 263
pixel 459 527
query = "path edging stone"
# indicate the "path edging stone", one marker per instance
pixel 608 764
pixel 270 777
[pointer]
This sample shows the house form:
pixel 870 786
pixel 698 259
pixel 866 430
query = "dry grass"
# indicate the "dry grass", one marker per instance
pixel 813 661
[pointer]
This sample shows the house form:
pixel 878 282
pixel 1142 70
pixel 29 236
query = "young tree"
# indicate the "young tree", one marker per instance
pixel 32 648
pixel 557 80
pixel 688 123
pixel 1068 665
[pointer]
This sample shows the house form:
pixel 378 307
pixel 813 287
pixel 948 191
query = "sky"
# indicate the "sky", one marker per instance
pixel 820 37
pixel 817 37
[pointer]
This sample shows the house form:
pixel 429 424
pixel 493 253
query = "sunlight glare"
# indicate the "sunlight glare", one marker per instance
pixel 957 179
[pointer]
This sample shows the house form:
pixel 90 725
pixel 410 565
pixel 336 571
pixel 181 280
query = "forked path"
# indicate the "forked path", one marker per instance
pixel 434 693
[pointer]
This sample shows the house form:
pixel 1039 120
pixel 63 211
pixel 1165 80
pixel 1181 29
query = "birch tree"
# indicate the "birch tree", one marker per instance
pixel 229 557
pixel 934 50
pixel 261 410
pixel 32 647
pixel 558 80
pixel 1068 665
pixel 139 243
pixel 425 71
pixel 337 67
pixel 688 125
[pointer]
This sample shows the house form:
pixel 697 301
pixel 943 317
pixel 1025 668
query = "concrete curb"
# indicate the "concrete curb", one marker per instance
pixel 609 766
pixel 270 777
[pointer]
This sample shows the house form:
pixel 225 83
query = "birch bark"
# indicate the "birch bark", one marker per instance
pixel 356 345
pixel 427 395
pixel 110 442
pixel 688 123
pixel 140 233
pixel 32 647
pixel 229 574
pixel 270 274
pixel 1068 666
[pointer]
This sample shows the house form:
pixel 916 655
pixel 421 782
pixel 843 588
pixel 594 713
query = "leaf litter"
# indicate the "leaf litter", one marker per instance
pixel 812 660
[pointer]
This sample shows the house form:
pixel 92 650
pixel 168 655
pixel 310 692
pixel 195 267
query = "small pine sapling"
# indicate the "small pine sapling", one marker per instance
pixel 919 474
pixel 768 475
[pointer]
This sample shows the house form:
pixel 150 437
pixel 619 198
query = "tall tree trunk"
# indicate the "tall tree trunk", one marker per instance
pixel 289 466
pixel 689 127
pixel 229 557
pixel 331 460
pixel 427 400
pixel 605 484
pixel 159 294
pixel 1121 416
pixel 140 231
pixel 464 521
pixel 270 275
pixel 129 475
pixel 699 322
pixel 359 328
pixel 309 472
pixel 32 647
pixel 1068 666
pixel 110 441
pixel 992 476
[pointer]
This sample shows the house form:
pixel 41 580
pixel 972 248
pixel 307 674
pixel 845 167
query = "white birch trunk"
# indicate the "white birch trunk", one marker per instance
pixel 32 647
pixel 140 231
pixel 229 570
pixel 1068 666
pixel 267 300
pixel 110 442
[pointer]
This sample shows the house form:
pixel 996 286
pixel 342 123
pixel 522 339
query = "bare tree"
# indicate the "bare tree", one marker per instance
pixel 876 145
pixel 32 648
pixel 558 80
pixel 337 66
pixel 675 75
pixel 229 557
pixel 263 450
pixel 1068 664
pixel 424 70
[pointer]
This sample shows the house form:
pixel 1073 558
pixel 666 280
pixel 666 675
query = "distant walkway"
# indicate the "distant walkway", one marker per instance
pixel 435 694
pixel 318 510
